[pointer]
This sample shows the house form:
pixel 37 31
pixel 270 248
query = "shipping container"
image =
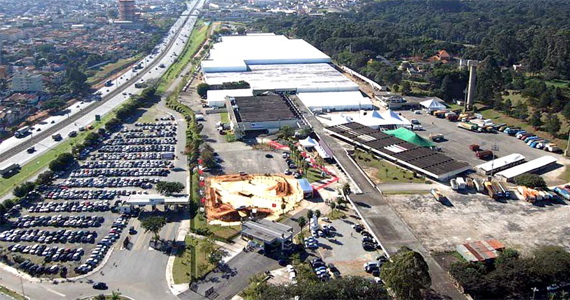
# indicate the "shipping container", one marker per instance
pixel 484 154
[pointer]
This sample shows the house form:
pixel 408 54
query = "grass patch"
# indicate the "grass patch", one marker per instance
pixel 182 268
pixel 198 36
pixel 385 171
pixel 224 232
pixel 314 175
pixel 109 69
pixel 34 167
pixel 224 117
pixel 336 214
pixel 558 83
pixel 6 291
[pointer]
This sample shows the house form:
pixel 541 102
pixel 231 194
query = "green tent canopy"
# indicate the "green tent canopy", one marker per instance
pixel 410 137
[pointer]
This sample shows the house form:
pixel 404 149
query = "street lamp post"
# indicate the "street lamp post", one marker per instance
pixel 534 290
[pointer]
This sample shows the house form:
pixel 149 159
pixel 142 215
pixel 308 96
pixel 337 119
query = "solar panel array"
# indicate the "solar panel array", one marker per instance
pixel 420 157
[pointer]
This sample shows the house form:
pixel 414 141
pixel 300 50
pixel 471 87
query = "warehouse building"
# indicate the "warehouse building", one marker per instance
pixel 500 164
pixel 217 98
pixel 420 159
pixel 269 62
pixel 532 166
pixel 264 113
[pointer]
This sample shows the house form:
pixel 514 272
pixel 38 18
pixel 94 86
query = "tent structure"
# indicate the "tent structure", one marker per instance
pixel 410 137
pixel 432 104
pixel 373 119
pixel 308 142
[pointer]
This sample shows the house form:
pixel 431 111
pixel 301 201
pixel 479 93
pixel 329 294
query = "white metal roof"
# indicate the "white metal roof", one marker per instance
pixel 341 100
pixel 217 97
pixel 527 167
pixel 264 49
pixel 501 162
pixel 317 77
pixel 372 118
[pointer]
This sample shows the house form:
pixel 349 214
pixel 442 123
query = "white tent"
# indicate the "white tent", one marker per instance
pixel 432 105
pixel 308 142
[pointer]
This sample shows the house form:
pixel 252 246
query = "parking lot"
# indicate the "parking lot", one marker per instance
pixel 76 222
pixel 344 250
pixel 240 156
pixel 458 140
pixel 473 217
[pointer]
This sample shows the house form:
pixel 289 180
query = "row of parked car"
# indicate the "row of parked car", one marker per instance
pixel 61 236
pixel 99 252
pixel 127 156
pixel 320 269
pixel 145 183
pixel 139 172
pixel 157 125
pixel 37 270
pixel 369 243
pixel 127 164
pixel 75 206
pixel 132 148
pixel 119 141
pixel 530 139
pixel 69 194
pixel 58 221
pixel 138 133
pixel 49 253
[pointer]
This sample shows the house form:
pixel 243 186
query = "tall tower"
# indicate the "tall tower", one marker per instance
pixel 127 10
pixel 472 65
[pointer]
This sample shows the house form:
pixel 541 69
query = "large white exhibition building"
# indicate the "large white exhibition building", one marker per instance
pixel 270 62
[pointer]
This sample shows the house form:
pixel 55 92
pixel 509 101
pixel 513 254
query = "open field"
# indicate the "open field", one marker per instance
pixel 109 69
pixel 517 224
pixel 32 168
pixel 198 36
pixel 381 171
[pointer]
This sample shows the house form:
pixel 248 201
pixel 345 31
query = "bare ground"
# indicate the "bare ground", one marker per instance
pixel 516 223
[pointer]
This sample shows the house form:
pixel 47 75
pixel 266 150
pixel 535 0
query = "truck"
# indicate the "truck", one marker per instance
pixel 9 170
pixel 440 113
pixel 562 192
pixel 437 195
pixel 474 147
pixel 436 137
pixel 461 184
pixel 468 126
pixel 551 147
pixel 452 117
pixel 22 132
pixel 484 154
pixel 139 85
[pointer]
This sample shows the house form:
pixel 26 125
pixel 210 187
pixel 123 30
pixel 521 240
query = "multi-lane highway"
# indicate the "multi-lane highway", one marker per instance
pixel 13 150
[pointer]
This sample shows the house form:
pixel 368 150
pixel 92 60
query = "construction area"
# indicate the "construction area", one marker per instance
pixel 229 198
pixel 473 217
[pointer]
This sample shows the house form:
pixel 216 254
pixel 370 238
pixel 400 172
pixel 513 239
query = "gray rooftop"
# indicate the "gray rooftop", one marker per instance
pixel 262 109
pixel 265 230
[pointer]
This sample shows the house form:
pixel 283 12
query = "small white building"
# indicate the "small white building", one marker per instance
pixel 336 101
pixel 24 81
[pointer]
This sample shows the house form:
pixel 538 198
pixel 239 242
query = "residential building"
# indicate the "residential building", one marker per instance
pixel 24 81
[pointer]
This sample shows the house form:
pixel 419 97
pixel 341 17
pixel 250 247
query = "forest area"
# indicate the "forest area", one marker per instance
pixel 377 36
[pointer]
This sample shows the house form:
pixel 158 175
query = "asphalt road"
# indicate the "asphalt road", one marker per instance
pixel 385 223
pixel 13 150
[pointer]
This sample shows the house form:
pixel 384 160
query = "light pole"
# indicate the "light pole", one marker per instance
pixel 534 290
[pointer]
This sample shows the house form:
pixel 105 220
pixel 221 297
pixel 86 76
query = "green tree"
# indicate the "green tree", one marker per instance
pixel 112 13
pixel 113 124
pixel 115 295
pixel 566 110
pixel 286 132
pixel 407 275
pixel 333 205
pixel 23 189
pixel 535 119
pixel 551 264
pixel 169 187
pixel 530 180
pixel 489 80
pixel 153 224
pixel 346 189
pixel 202 89
pixel 54 105
pixel 309 214
pixel 507 106
pixel 45 178
pixel 302 221
pixel 552 125
pixel 406 88
pixel 240 30
pixel 317 213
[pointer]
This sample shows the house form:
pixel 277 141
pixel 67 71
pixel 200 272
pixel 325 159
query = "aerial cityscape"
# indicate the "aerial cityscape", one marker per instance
pixel 322 149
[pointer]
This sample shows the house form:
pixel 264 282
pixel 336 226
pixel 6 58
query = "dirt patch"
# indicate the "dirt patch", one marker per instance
pixel 230 197
pixel 517 224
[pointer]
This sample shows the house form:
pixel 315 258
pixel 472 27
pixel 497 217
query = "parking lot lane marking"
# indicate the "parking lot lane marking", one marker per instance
pixel 55 292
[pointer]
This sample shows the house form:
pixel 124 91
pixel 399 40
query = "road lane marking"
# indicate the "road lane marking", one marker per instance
pixel 55 292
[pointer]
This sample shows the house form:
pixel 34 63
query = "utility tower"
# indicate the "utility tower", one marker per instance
pixel 472 65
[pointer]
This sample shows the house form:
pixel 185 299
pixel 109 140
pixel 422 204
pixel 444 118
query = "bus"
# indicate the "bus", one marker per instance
pixel 22 132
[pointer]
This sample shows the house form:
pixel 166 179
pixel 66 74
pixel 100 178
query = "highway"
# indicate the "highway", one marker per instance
pixel 13 150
